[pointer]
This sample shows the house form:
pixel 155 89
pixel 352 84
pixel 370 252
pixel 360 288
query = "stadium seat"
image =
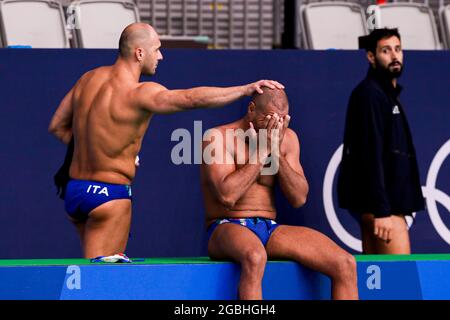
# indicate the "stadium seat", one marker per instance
pixel 98 24
pixel 33 23
pixel 415 23
pixel 444 15
pixel 331 25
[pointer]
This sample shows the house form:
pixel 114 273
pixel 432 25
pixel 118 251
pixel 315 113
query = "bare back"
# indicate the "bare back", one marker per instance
pixel 108 127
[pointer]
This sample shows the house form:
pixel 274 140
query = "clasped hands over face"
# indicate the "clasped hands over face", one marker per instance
pixel 275 127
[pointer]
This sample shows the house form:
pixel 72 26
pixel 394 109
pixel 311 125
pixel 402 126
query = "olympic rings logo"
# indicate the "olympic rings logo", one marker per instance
pixel 430 192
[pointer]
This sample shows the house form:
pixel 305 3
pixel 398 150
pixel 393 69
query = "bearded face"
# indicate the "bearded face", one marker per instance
pixel 389 57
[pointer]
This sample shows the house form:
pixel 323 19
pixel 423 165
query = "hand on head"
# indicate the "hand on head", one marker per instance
pixel 257 86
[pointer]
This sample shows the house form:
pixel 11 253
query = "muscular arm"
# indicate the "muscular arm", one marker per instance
pixel 290 175
pixel 61 123
pixel 158 99
pixel 229 184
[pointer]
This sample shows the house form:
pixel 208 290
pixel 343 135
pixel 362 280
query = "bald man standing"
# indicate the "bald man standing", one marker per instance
pixel 107 113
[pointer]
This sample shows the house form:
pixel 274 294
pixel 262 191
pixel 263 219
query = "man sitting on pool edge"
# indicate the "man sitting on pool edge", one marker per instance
pixel 240 208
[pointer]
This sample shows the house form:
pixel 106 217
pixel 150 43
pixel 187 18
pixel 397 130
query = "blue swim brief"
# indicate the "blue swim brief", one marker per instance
pixel 83 196
pixel 262 227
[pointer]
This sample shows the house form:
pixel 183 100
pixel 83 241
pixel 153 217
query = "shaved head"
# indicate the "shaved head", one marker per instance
pixel 139 46
pixel 275 99
pixel 268 103
pixel 134 36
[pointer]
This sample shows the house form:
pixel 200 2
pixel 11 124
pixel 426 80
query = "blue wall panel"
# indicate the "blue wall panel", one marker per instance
pixel 168 208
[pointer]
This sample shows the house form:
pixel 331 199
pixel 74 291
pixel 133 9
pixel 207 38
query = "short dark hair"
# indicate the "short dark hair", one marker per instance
pixel 369 43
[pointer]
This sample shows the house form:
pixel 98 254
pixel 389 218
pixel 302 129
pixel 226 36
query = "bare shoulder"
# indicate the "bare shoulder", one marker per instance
pixel 93 73
pixel 218 149
pixel 290 142
pixel 96 72
pixel 213 133
pixel 84 77
pixel 145 93
pixel 291 136
pixel 222 129
pixel 150 87
pixel 218 135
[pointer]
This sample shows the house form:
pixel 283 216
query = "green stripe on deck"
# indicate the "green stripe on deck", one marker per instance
pixel 204 260
pixel 80 262
pixel 409 257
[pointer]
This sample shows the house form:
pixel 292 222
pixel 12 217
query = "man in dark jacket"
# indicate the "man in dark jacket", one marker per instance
pixel 379 177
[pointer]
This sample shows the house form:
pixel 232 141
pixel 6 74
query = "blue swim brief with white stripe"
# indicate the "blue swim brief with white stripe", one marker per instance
pixel 262 227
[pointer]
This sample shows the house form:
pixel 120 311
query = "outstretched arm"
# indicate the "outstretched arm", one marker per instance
pixel 158 99
pixel 61 123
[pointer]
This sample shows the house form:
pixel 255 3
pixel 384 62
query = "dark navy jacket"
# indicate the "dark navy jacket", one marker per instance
pixel 378 172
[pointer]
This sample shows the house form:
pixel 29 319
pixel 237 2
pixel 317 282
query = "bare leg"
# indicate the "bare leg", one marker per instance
pixel 107 229
pixel 367 238
pixel 317 252
pixel 399 244
pixel 80 226
pixel 232 241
